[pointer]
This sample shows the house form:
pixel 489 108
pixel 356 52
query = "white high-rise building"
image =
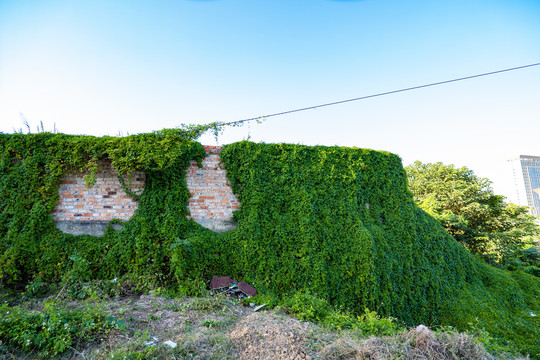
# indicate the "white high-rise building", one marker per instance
pixel 526 172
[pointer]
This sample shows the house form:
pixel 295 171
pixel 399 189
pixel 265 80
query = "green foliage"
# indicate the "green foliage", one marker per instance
pixel 308 307
pixel 208 303
pixel 467 208
pixel 54 329
pixel 211 323
pixel 32 166
pixel 336 226
pixel 527 260
pixel 341 225
pixel 371 324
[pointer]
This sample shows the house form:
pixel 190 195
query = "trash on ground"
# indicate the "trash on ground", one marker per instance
pixel 170 343
pixel 220 282
pixel 422 328
pixel 231 287
pixel 247 289
pixel 259 307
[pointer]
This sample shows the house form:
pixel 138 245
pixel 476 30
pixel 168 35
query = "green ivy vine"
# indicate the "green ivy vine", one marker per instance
pixel 32 166
pixel 335 222
pixel 340 223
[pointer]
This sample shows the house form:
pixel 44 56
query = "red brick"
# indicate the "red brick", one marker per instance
pixel 208 186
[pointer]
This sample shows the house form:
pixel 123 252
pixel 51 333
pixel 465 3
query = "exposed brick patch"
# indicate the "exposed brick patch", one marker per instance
pixel 104 201
pixel 211 204
pixel 211 194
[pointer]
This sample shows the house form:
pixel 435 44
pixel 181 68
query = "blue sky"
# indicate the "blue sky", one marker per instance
pixel 104 67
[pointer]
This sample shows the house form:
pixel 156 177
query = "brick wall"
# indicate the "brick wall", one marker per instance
pixel 104 201
pixel 211 194
pixel 87 211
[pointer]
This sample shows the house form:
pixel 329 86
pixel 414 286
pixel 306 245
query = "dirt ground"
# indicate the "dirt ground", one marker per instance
pixel 205 328
pixel 261 336
pixel 222 328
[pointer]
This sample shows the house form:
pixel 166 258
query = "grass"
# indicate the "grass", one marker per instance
pixel 411 344
pixel 222 328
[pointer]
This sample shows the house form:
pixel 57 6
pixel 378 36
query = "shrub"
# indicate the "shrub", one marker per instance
pixel 54 329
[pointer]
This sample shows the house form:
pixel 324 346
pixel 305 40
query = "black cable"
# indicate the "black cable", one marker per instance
pixel 375 95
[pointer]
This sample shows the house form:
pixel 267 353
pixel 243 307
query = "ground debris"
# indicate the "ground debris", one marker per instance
pixel 231 287
pixel 259 307
pixel 170 344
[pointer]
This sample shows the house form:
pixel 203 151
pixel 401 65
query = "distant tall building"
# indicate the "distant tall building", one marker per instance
pixel 526 171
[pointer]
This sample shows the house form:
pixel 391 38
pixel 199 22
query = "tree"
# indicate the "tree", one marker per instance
pixel 467 208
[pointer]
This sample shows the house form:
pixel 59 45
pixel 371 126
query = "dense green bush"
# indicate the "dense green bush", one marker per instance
pixel 54 329
pixel 308 307
pixel 472 213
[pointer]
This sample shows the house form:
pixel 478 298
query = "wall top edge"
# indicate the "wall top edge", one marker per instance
pixel 212 149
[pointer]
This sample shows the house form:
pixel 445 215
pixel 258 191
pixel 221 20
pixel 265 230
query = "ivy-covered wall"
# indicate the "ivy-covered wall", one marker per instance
pixel 212 201
pixel 338 223
pixel 84 209
pixel 32 167
pixel 104 201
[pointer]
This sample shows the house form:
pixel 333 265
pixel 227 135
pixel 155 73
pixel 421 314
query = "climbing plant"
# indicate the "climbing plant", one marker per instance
pixel 340 224
pixel 32 166
pixel 336 223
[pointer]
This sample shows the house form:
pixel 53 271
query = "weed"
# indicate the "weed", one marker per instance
pixel 411 344
pixel 209 303
pixel 174 307
pixel 308 307
pixel 54 329
pixel 211 323
pixel 138 348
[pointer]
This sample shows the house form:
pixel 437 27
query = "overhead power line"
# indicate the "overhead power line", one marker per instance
pixel 379 94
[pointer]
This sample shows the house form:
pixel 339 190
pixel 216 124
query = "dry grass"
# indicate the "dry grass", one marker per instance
pixel 261 336
pixel 416 344
pixel 220 328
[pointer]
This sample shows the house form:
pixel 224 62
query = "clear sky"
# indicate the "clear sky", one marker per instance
pixel 102 67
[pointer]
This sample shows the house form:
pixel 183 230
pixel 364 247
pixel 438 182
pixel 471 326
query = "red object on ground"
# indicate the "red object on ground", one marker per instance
pixel 220 282
pixel 247 289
